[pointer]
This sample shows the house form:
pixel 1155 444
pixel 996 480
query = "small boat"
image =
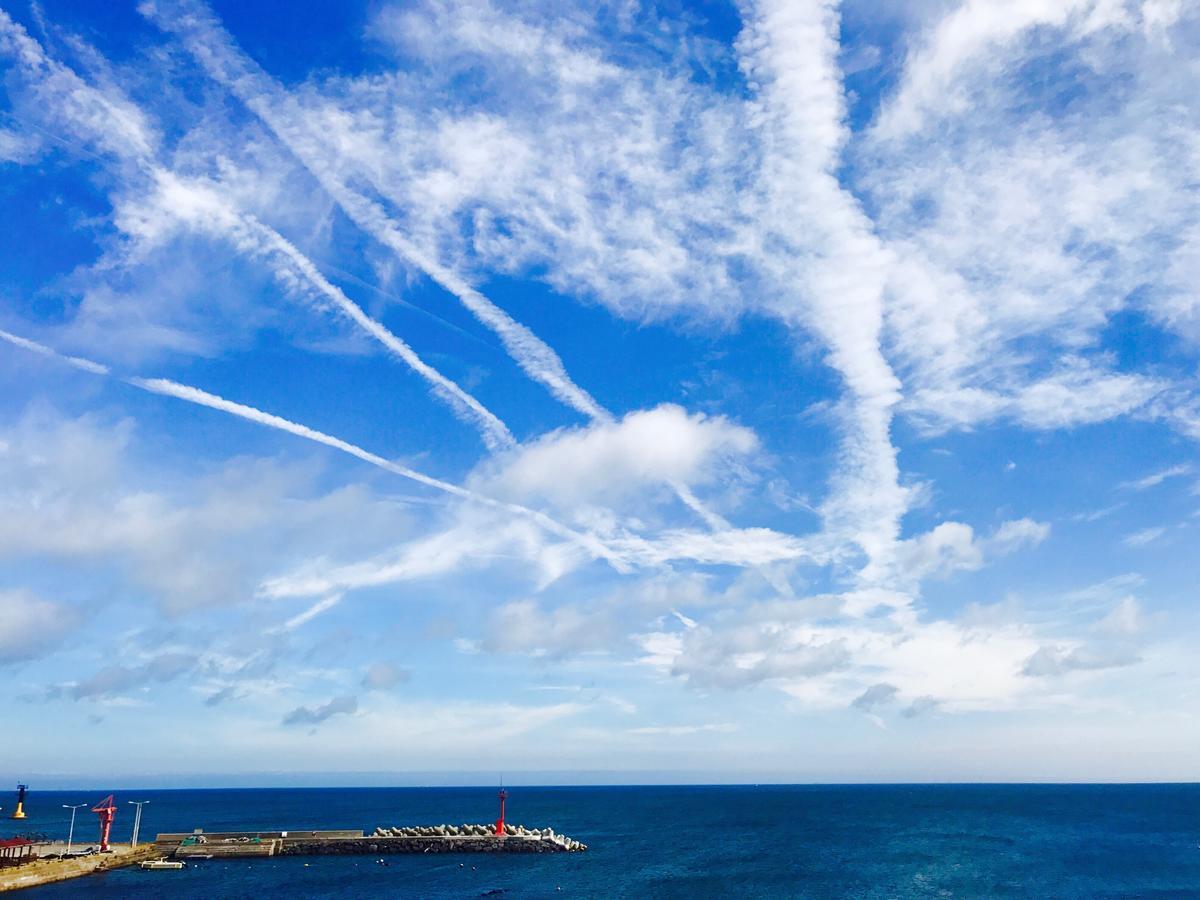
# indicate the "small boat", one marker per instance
pixel 161 864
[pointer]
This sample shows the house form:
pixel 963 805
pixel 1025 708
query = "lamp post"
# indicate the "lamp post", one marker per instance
pixel 137 820
pixel 71 833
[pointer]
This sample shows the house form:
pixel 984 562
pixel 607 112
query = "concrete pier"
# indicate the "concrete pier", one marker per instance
pixel 37 872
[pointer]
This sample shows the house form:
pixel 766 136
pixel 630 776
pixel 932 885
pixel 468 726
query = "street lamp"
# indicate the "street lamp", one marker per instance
pixel 137 820
pixel 71 833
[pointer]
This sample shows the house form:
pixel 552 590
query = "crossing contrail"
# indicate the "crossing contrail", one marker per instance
pixel 215 51
pixel 207 40
pixel 118 127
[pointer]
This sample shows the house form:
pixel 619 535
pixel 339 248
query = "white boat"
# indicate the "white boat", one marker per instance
pixel 161 864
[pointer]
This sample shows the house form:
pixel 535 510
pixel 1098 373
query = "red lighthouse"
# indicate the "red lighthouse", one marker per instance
pixel 106 809
pixel 503 795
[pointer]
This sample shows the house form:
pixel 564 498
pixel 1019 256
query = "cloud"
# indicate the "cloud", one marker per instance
pixel 1052 661
pixel 83 493
pixel 475 539
pixel 1018 533
pixel 119 679
pixel 827 263
pixel 224 695
pixel 202 204
pixel 203 398
pixel 1097 514
pixel 959 264
pixel 321 606
pixel 315 715
pixel 952 547
pixel 213 49
pixel 1021 236
pixel 32 626
pixel 1125 619
pixel 18 147
pixel 920 707
pixel 1143 537
pixel 384 676
pixel 734 658
pixel 875 696
pixel 168 388
pixel 1156 478
pixel 608 462
pixel 973 35
pixel 523 627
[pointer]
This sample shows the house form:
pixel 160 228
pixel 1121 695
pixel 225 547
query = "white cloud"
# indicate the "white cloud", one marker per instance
pixel 77 492
pixel 1156 478
pixel 18 147
pixel 952 546
pixel 608 462
pixel 523 627
pixel 973 34
pixel 1143 537
pixel 1052 661
pixel 1018 533
pixel 384 676
pixel 1019 236
pixel 1125 619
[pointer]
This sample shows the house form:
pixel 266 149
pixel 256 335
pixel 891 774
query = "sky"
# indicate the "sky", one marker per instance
pixel 783 390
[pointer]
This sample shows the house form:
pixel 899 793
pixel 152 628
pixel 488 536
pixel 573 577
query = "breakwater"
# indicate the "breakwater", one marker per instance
pixel 383 841
pixel 545 836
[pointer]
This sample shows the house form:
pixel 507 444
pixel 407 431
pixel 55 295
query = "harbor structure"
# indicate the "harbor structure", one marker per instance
pixel 500 822
pixel 106 809
pixel 23 863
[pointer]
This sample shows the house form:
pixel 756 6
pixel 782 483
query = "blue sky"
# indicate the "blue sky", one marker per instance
pixel 783 390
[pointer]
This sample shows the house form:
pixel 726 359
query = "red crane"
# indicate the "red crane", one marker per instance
pixel 500 822
pixel 106 809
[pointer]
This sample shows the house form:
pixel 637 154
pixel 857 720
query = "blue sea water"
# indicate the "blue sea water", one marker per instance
pixel 1042 841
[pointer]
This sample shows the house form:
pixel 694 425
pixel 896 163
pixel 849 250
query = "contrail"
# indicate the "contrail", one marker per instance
pixel 167 388
pixel 94 112
pixel 202 398
pixel 33 346
pixel 494 432
pixel 212 47
pixel 207 40
pixel 322 605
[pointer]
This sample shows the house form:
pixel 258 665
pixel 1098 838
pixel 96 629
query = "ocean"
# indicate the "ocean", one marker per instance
pixel 899 841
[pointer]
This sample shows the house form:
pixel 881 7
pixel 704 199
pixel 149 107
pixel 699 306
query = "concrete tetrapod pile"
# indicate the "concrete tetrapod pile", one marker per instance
pixel 469 831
